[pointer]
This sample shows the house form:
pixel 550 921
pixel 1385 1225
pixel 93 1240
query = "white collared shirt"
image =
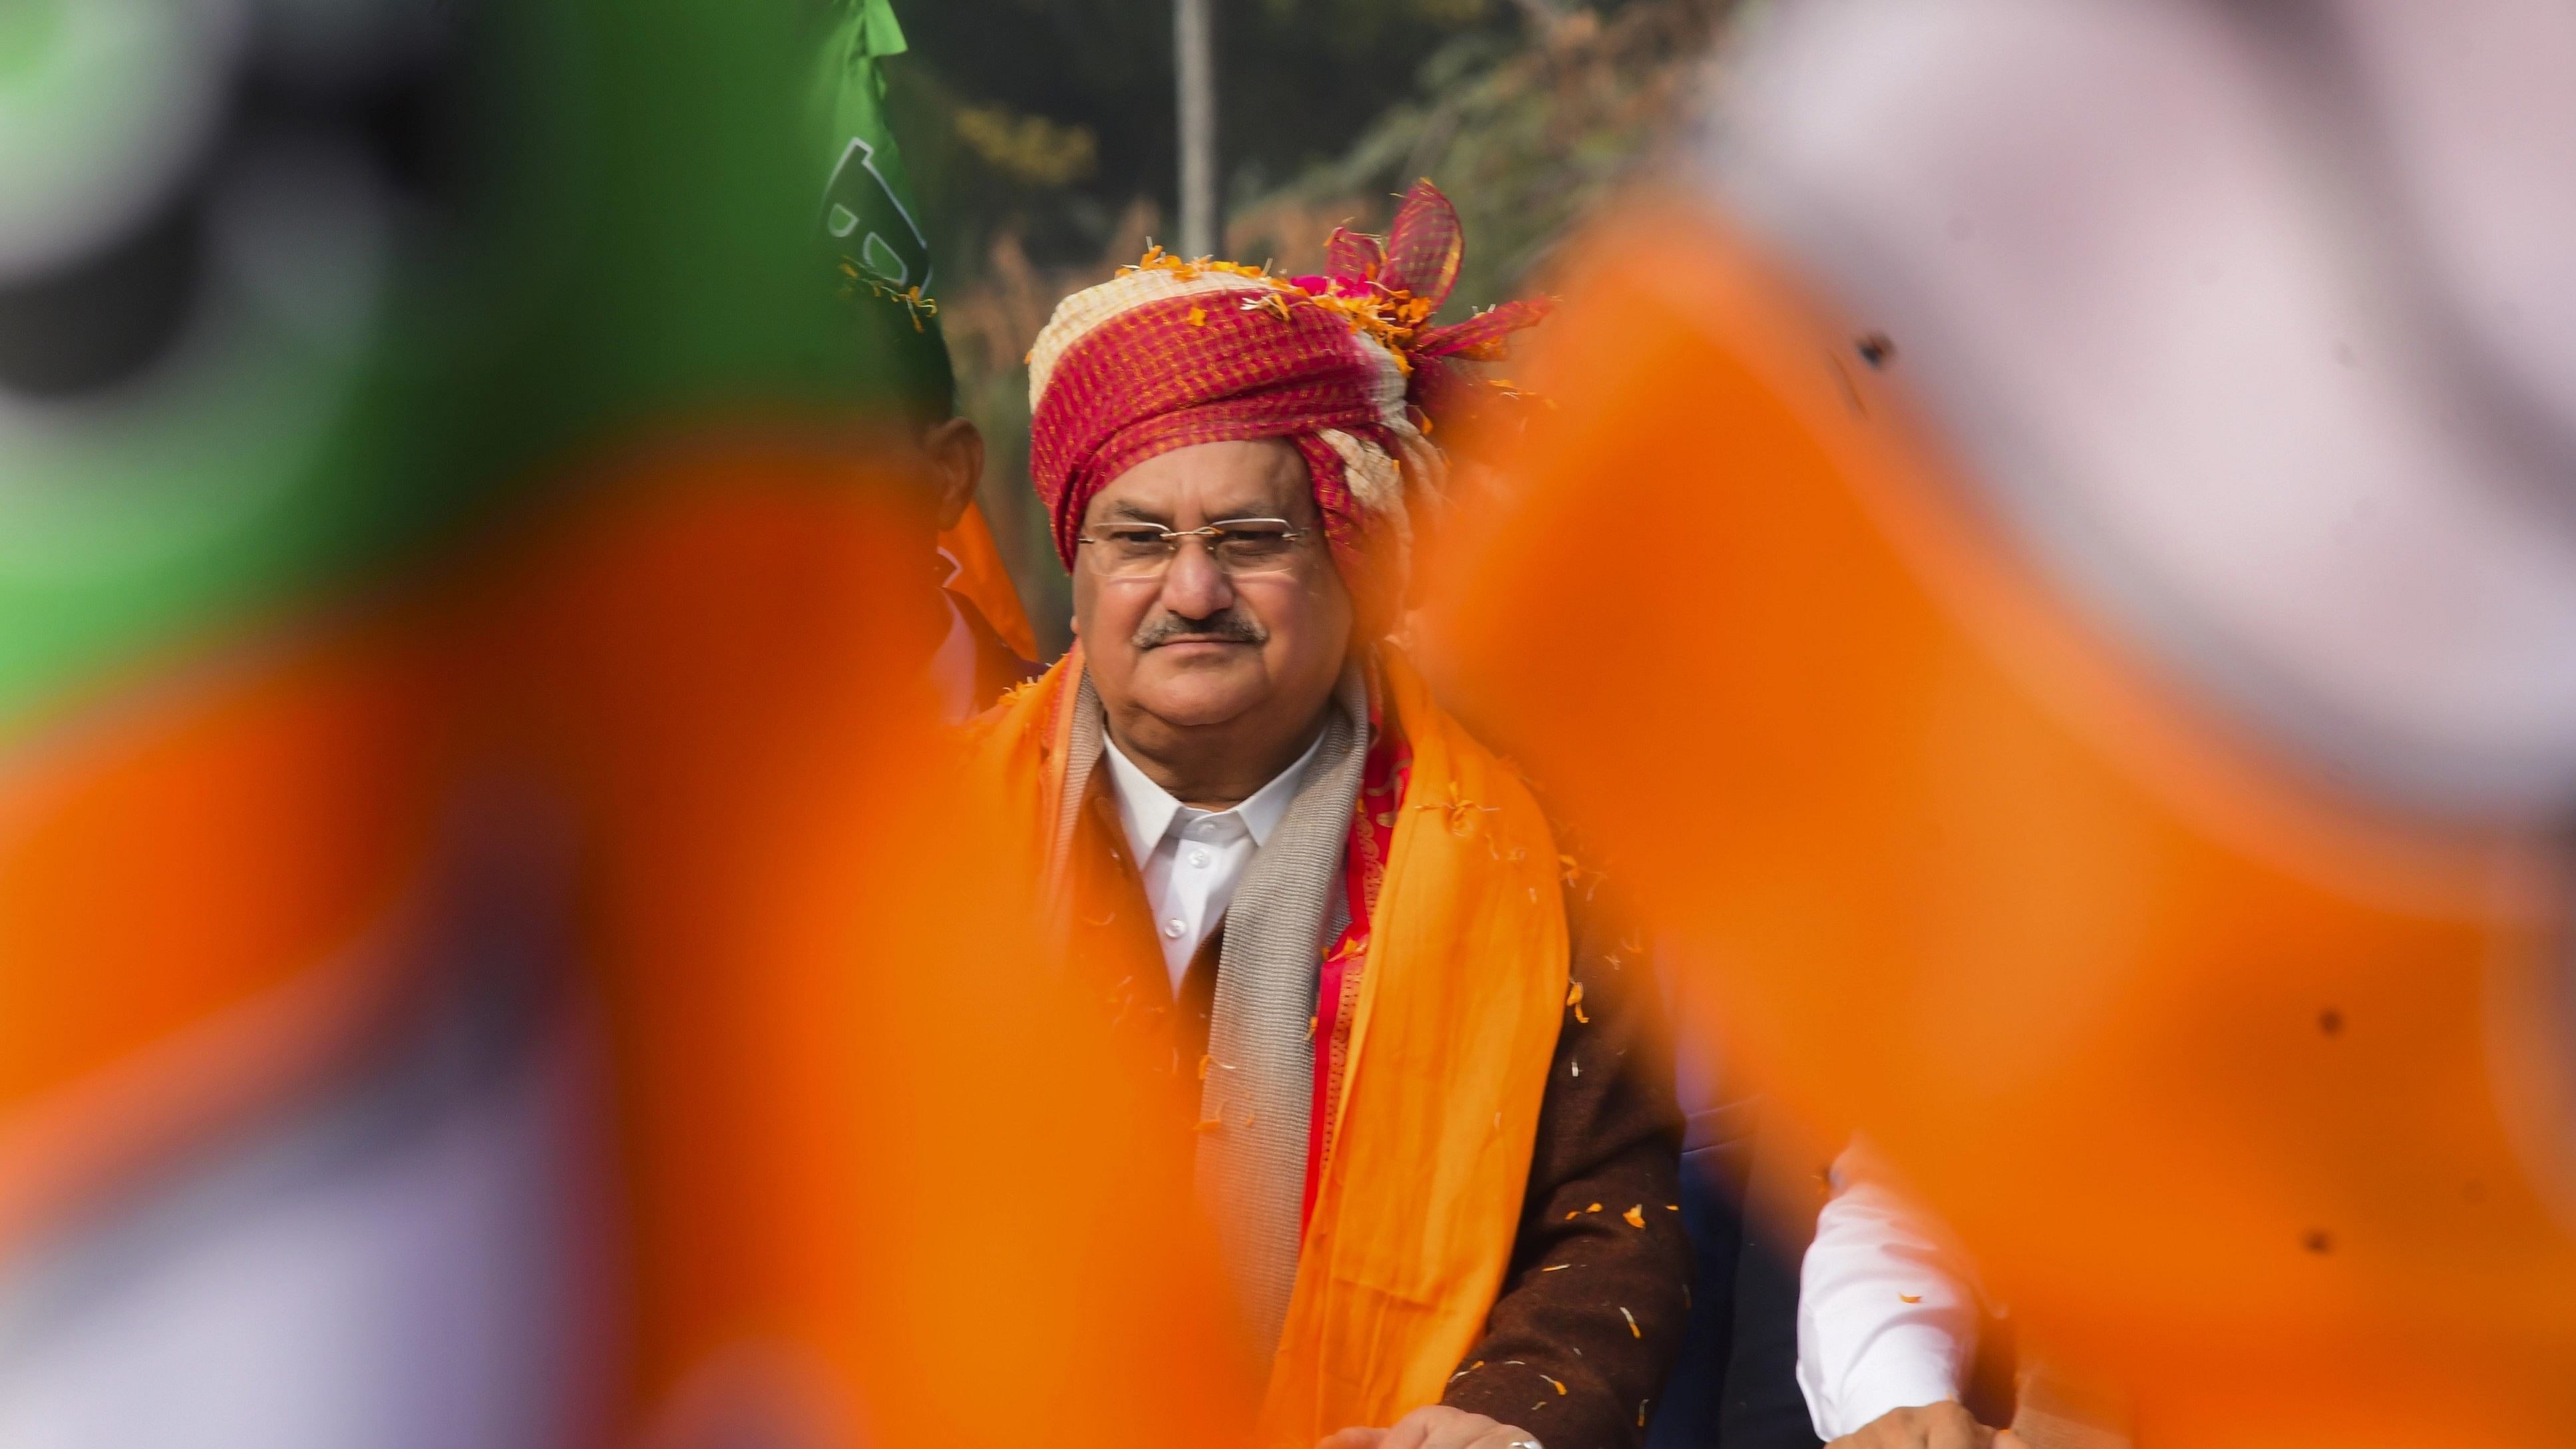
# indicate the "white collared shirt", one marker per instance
pixel 1888 1304
pixel 1193 859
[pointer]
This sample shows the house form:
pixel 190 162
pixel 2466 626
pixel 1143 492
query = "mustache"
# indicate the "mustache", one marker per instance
pixel 1228 627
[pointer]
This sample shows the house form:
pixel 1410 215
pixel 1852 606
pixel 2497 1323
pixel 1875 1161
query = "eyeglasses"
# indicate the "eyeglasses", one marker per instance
pixel 1238 545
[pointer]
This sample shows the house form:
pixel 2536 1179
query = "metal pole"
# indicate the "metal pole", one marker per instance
pixel 1194 48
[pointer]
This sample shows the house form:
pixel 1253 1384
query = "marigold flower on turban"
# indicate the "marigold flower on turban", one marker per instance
pixel 1173 353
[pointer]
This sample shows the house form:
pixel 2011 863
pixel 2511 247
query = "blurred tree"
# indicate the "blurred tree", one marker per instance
pixel 1526 131
pixel 1301 80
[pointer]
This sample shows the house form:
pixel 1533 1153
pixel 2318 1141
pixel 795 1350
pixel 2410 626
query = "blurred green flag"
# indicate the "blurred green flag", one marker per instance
pixel 870 217
pixel 236 379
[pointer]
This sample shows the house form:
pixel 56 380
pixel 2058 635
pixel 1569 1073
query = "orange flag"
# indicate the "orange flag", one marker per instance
pixel 871 1186
pixel 2247 1098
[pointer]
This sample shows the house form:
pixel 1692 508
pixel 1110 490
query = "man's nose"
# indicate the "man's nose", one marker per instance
pixel 1194 587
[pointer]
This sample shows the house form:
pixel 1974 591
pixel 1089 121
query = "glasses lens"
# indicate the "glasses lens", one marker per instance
pixel 1256 546
pixel 1134 548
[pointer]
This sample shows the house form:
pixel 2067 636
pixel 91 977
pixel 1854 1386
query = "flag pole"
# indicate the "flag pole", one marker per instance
pixel 1194 51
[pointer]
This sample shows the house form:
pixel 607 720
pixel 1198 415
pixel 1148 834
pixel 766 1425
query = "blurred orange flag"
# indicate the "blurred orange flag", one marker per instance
pixel 855 1180
pixel 874 1191
pixel 2249 1101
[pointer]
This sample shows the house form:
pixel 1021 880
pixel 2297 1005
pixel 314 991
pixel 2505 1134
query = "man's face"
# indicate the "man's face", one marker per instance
pixel 1199 646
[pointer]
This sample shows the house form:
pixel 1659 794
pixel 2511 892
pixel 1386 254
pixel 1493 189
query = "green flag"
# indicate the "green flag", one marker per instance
pixel 869 216
pixel 230 384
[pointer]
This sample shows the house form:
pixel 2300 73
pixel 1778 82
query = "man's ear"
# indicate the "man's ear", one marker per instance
pixel 956 451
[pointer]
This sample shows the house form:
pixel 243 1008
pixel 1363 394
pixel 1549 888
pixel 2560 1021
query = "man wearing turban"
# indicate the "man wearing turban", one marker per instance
pixel 1434 1123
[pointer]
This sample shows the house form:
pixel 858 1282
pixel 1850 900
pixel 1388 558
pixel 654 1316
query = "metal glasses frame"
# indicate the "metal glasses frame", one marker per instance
pixel 1213 532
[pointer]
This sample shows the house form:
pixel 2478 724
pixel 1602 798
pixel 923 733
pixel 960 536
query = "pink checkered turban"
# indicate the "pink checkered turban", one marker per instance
pixel 1170 354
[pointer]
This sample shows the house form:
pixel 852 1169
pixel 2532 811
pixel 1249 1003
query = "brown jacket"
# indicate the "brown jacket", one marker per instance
pixel 1590 1314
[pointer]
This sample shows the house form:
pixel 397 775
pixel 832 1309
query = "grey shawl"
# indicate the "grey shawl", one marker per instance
pixel 1260 1084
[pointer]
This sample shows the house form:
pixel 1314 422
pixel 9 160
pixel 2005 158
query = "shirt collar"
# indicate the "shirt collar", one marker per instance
pixel 1145 808
pixel 1269 804
pixel 1149 812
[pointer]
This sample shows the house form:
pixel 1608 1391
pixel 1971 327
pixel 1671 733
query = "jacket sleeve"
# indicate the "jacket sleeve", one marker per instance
pixel 1591 1310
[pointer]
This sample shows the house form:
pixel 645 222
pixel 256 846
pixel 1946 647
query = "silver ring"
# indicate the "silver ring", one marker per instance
pixel 1523 1444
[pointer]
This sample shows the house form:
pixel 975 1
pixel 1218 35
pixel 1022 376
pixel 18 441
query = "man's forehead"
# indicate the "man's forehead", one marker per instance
pixel 1267 479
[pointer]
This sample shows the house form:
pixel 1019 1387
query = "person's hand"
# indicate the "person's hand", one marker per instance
pixel 1933 1426
pixel 1436 1427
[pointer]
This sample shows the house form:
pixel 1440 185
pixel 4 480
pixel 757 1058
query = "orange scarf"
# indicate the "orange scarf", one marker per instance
pixel 1461 992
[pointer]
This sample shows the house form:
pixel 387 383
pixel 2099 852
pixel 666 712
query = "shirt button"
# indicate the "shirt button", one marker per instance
pixel 1173 929
pixel 1198 857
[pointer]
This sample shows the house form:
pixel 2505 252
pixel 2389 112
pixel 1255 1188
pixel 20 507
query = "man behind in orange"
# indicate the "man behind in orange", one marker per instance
pixel 868 226
pixel 1433 1118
